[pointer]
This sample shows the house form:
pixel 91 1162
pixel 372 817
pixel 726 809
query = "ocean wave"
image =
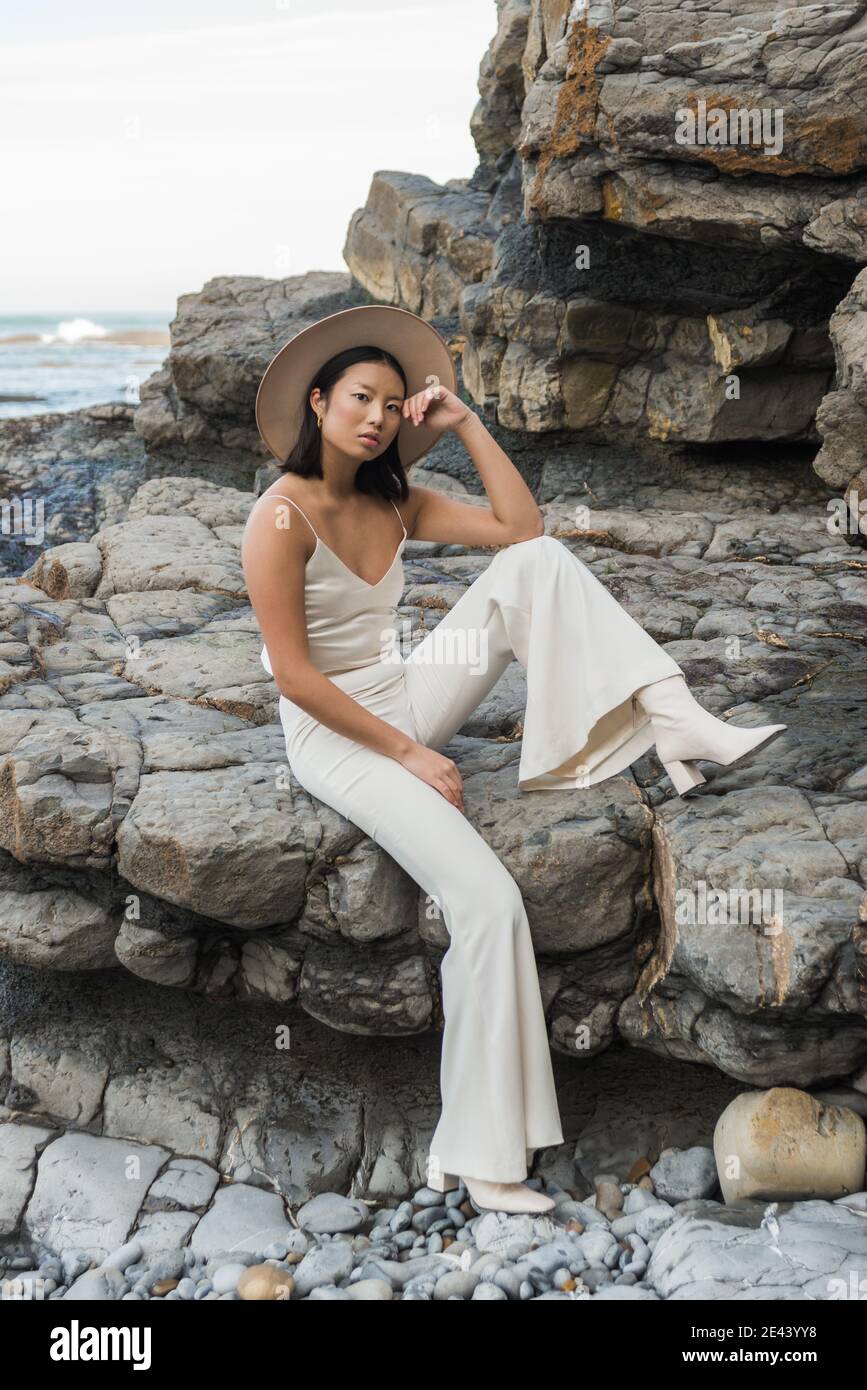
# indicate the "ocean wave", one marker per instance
pixel 73 330
pixel 126 337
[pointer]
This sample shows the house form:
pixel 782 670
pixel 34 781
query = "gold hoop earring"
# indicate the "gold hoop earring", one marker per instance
pixel 319 422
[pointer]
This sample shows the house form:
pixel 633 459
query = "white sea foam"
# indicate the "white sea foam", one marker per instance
pixel 73 330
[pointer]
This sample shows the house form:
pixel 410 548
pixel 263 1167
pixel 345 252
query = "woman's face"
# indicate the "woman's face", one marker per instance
pixel 363 413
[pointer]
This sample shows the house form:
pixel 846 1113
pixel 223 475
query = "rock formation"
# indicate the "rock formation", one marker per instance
pixel 148 815
pixel 676 206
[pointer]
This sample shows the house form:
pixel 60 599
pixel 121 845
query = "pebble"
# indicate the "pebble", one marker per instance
pixel 329 1213
pixel 491 1292
pixel 226 1278
pixel 683 1173
pixel 430 1247
pixel 128 1254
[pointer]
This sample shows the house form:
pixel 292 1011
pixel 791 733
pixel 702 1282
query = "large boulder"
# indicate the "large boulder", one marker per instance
pixel 786 1144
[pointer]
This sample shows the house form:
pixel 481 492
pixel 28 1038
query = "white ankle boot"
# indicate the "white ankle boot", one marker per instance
pixel 685 730
pixel 494 1196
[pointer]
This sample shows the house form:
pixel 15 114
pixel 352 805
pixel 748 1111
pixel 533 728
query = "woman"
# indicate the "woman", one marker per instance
pixel 346 406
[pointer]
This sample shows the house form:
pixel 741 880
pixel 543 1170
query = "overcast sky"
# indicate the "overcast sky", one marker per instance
pixel 148 148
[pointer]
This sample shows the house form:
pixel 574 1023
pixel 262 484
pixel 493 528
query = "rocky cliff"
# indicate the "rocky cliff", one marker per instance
pixel 668 210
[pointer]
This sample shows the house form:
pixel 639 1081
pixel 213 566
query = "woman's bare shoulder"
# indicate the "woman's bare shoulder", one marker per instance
pixel 269 531
pixel 287 486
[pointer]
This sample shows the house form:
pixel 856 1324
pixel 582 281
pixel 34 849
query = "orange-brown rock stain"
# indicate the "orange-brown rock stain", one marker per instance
pixel 574 121
pixel 833 143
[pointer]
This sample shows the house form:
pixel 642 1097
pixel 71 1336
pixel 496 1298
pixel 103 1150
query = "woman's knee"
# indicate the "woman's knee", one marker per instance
pixel 523 552
pixel 510 898
pixel 493 899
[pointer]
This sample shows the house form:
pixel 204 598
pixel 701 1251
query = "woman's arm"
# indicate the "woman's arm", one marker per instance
pixel 513 514
pixel 308 688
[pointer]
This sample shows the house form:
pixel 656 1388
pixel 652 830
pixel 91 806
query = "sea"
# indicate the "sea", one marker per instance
pixel 63 361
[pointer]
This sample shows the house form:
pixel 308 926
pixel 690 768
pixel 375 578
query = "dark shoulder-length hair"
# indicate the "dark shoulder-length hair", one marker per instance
pixel 384 474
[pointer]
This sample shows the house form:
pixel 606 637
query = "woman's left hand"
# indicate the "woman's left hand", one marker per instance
pixel 437 406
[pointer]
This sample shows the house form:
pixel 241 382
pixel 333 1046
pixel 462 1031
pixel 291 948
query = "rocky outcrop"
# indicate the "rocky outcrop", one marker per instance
pixel 418 243
pixel 686 208
pixel 495 124
pixel 63 476
pixel 570 356
pixel 197 413
pixel 642 113
pixel 148 817
pixel 842 415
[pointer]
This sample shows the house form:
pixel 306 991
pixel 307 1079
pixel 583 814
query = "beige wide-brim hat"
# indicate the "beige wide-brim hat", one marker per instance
pixel 420 350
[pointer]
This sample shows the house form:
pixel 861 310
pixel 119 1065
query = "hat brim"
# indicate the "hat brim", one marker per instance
pixel 418 347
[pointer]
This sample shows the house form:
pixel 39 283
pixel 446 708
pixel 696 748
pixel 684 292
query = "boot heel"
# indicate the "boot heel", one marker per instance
pixel 684 776
pixel 443 1182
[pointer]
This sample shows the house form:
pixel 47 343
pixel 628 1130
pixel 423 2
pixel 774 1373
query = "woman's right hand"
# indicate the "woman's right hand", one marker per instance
pixel 437 770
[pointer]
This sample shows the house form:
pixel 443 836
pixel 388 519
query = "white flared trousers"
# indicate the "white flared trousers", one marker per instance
pixel 584 657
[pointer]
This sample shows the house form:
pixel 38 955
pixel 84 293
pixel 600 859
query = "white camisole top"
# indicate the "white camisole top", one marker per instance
pixel 348 620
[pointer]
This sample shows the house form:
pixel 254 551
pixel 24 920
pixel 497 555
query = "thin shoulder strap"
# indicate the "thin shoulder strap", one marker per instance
pixel 399 517
pixel 310 523
pixel 295 504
